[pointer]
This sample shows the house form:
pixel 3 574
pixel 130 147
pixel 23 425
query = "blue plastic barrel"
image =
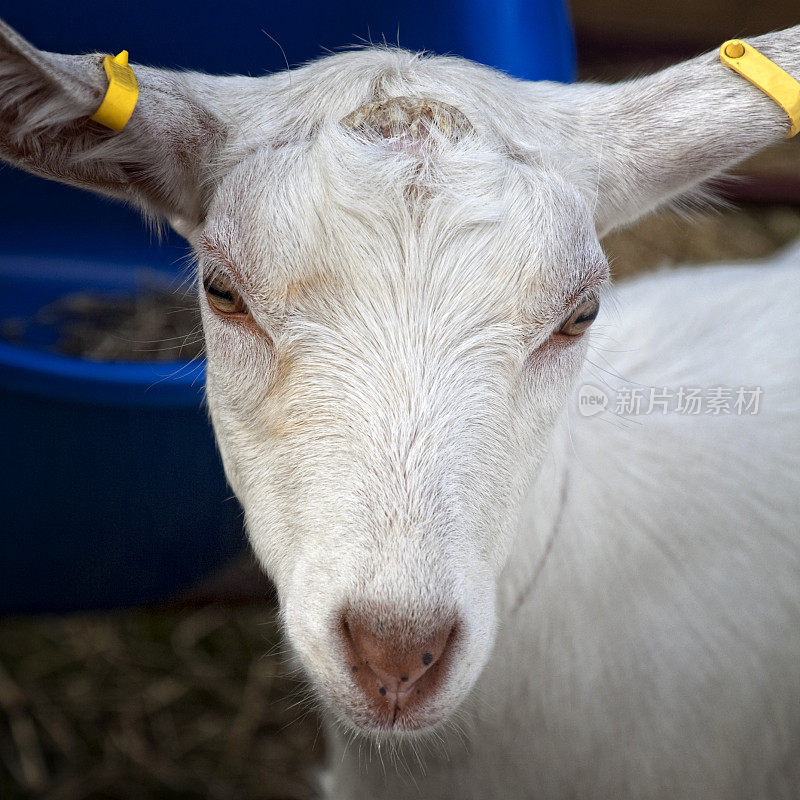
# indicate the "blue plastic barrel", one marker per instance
pixel 111 488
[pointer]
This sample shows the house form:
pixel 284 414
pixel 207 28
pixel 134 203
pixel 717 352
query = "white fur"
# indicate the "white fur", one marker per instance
pixel 401 427
pixel 657 653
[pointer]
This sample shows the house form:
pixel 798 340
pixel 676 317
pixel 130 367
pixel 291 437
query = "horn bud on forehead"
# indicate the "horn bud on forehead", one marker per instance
pixel 412 119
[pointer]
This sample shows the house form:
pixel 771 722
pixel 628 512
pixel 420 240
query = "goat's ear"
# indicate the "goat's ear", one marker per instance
pixel 657 138
pixel 157 162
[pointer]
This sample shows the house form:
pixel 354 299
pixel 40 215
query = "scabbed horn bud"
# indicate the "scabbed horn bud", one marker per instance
pixel 408 121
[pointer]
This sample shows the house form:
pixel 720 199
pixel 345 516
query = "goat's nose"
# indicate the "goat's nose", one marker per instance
pixel 395 664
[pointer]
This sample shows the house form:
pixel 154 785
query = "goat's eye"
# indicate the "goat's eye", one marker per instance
pixel 223 296
pixel 580 318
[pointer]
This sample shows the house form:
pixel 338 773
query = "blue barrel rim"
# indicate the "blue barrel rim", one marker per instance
pixel 28 369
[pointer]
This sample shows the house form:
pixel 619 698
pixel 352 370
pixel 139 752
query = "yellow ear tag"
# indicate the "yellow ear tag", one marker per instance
pixel 766 75
pixel 122 94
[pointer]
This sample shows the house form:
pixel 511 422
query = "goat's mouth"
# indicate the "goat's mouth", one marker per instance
pixel 395 712
pixel 392 724
pixel 396 715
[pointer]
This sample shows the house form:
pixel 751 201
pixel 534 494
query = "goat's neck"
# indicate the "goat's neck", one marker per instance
pixel 538 527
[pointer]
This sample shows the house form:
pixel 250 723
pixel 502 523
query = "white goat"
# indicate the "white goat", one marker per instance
pixel 400 255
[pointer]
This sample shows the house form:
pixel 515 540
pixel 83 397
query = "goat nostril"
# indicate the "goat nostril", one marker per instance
pixel 382 690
